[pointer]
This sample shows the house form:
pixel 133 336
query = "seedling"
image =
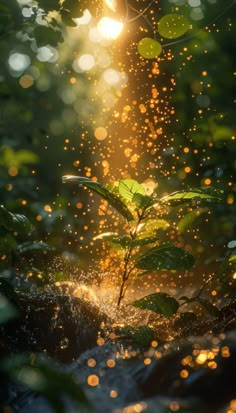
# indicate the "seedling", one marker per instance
pixel 142 250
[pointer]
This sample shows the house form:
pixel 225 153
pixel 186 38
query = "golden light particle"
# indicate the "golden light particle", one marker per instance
pixel 184 374
pixel 100 133
pixel 174 406
pixel 201 358
pixel 111 363
pixel 225 352
pixel 186 150
pixel 207 181
pixel 93 380
pixel 47 208
pixel 154 343
pixel 186 360
pixel 91 362
pixel 26 81
pixel 147 361
pixel 233 404
pixel 187 169
pixel 230 199
pixel 73 80
pixel 100 341
pixel 13 171
pixel 113 394
pixel 212 365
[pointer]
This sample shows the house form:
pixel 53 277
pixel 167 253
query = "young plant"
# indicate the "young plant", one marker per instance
pixel 142 250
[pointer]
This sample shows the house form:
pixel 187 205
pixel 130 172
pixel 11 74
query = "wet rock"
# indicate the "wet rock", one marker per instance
pixel 117 384
pixel 62 326
pixel 203 368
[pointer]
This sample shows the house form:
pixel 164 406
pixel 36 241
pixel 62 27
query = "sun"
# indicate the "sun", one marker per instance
pixel 110 28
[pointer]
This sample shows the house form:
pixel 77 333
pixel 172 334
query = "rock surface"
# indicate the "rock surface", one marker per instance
pixel 62 326
pixel 198 376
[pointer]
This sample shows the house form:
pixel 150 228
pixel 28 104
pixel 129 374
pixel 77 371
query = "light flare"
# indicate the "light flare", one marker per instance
pixel 110 29
pixel 112 4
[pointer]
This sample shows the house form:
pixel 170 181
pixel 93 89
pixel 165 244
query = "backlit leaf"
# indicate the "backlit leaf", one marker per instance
pixel 187 221
pixel 150 227
pixel 165 257
pixel 109 196
pixel 192 195
pixel 160 303
pixel 173 25
pixel 149 48
pixel 142 201
pixel 129 187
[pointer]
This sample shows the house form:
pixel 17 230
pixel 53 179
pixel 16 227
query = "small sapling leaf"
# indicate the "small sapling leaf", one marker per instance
pixel 109 196
pixel 129 187
pixel 165 257
pixel 160 303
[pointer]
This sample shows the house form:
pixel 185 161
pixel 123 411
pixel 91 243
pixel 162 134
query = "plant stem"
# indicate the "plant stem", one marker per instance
pixel 125 275
pixel 127 270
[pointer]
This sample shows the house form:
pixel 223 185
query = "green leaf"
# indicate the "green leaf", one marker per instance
pixel 143 241
pixel 165 257
pixel 14 222
pixel 47 35
pixel 160 303
pixel 73 7
pixel 150 227
pixel 7 243
pixel 149 48
pixel 49 5
pixel 8 311
pixel 143 335
pixel 184 298
pixel 109 196
pixel 60 276
pixel 129 187
pixel 67 18
pixel 46 378
pixel 232 258
pixel 186 222
pixel 193 195
pixel 209 307
pixel 173 25
pixel 29 246
pixel 142 201
pixel 114 238
pixel 106 236
pixel 8 302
